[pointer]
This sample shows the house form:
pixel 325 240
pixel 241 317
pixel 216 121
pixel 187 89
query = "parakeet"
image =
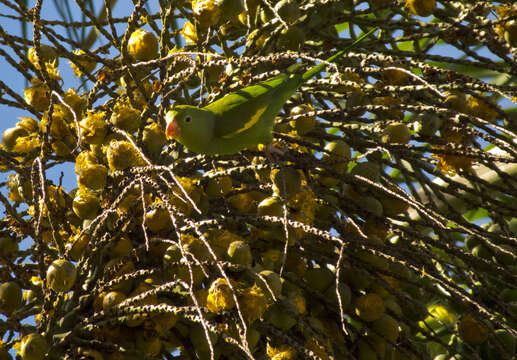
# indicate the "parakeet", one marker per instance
pixel 242 118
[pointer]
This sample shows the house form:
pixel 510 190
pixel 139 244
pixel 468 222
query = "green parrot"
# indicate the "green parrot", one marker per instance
pixel 242 118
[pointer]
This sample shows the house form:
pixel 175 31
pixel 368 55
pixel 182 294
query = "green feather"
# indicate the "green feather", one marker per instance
pixel 243 118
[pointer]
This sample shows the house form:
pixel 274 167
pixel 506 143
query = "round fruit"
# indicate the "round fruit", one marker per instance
pixel 8 245
pixel 370 170
pixel 239 252
pixel 153 138
pixel 142 45
pixel 10 297
pixel 33 347
pixel 61 275
pixel 112 298
pixel 48 55
pixel 271 206
pixel 369 307
pixel 10 136
pixel 288 10
pixel 421 7
pixel 274 283
pixel 387 327
pixel 86 205
pixel 396 133
pixel 286 181
pixel 302 124
pixel 319 279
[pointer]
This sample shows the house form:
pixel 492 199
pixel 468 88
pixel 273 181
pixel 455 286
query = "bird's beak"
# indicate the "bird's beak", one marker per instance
pixel 173 129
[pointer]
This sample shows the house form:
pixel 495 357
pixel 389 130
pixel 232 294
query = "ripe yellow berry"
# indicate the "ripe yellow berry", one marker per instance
pixel 142 45
pixel 93 128
pixel 37 96
pixel 86 205
pixel 121 155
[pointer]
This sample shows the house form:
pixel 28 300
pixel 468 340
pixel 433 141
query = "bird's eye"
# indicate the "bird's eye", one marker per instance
pixel 188 119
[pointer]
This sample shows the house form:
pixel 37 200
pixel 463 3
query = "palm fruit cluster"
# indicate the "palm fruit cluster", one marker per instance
pixel 382 228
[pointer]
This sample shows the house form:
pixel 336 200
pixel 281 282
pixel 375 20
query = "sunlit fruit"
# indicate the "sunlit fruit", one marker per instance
pixel 142 45
pixel 61 275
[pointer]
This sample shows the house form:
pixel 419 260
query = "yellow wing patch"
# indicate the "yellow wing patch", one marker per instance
pixel 252 121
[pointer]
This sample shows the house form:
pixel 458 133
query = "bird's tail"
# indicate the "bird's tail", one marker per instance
pixel 318 68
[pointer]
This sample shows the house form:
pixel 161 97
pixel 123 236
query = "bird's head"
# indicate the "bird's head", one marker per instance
pixel 190 126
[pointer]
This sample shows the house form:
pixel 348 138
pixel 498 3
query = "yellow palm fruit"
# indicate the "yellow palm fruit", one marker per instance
pixel 93 127
pixel 220 296
pixel 87 64
pixel 61 275
pixel 48 55
pixel 253 303
pixel 86 204
pixel 37 95
pixel 142 45
pixel 121 155
pixel 126 117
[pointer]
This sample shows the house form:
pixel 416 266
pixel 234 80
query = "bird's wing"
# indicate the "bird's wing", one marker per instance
pixel 242 109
